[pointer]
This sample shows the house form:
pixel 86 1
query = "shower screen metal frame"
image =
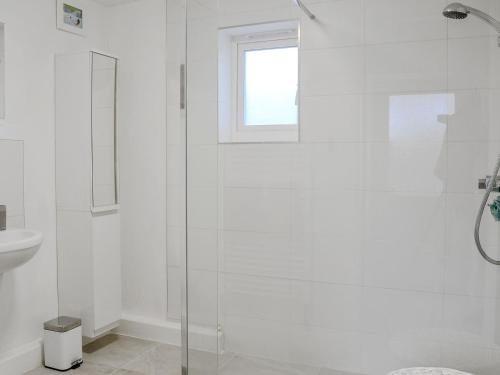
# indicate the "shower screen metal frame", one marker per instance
pixel 183 105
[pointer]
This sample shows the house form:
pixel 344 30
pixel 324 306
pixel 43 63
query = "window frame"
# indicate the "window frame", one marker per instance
pixel 230 119
pixel 258 42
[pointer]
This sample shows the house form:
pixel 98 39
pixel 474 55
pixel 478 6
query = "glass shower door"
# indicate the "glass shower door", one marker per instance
pixel 330 209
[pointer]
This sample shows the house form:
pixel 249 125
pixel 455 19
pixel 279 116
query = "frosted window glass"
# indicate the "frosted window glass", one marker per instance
pixel 270 91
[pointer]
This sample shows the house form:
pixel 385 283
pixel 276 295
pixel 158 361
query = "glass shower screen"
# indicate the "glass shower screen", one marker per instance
pixel 322 187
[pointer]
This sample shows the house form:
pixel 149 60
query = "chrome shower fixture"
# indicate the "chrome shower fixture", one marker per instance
pixel 306 10
pixel 459 11
pixel 490 184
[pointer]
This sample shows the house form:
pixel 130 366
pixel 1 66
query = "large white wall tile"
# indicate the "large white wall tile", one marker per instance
pixel 332 71
pixel 202 208
pixel 402 313
pixel 174 283
pixel 404 267
pixel 407 117
pixel 406 219
pixel 340 214
pixel 339 350
pixel 406 166
pixel 202 298
pixel 203 83
pixel 338 257
pixel 284 255
pixel 335 166
pixel 202 124
pixel 473 63
pixel 238 6
pixel 331 118
pixel 201 9
pixel 468 357
pixel 202 166
pixel 469 320
pixel 176 239
pixel 403 67
pixel 339 23
pixel 272 299
pixel 382 354
pixel 474 115
pixel 336 307
pixel 295 343
pixel 261 165
pixel 270 339
pixel 203 246
pixel 202 39
pixel 257 210
pixel 404 20
pixel 260 12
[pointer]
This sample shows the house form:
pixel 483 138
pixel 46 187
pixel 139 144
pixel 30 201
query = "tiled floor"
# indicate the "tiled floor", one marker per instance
pixel 120 355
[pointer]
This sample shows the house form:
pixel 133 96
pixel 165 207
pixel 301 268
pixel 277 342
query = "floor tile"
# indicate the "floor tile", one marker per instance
pixel 119 352
pixel 202 363
pixel 120 355
pixel 161 360
pixel 127 372
pixel 85 369
pixel 334 372
pixel 253 366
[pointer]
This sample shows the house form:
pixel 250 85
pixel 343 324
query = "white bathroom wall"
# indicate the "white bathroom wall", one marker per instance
pixel 2 72
pixel 28 294
pixel 137 34
pixel 353 249
pixel 176 155
pixel 12 181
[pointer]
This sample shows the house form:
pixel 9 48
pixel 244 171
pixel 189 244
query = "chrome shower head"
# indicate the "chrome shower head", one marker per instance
pixel 456 11
pixel 459 11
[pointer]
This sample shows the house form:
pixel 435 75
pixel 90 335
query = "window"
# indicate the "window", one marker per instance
pixel 269 83
pixel 259 83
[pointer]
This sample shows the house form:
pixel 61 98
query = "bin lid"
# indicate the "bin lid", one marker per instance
pixel 62 324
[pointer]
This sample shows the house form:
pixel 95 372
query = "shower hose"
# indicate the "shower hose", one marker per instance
pixel 489 188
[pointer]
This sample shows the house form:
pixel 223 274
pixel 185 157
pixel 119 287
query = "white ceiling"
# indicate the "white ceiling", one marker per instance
pixel 113 2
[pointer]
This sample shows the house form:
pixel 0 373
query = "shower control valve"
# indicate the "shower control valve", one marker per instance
pixel 484 182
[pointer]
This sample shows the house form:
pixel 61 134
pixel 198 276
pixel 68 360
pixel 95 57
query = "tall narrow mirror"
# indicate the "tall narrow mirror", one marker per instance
pixel 104 169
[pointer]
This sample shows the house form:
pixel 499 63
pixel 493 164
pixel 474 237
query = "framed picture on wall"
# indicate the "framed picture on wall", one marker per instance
pixel 71 16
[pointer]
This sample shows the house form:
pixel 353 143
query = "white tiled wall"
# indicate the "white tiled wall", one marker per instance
pixel 12 181
pixel 353 249
pixel 141 115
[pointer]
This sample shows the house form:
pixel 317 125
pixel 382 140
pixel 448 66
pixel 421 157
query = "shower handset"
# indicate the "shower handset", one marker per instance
pixel 459 11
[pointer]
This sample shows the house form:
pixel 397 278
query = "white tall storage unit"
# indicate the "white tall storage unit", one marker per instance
pixel 88 220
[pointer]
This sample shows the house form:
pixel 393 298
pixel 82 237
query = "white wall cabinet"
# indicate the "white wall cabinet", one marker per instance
pixel 88 221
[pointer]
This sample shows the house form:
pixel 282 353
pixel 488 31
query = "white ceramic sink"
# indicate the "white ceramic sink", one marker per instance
pixel 17 246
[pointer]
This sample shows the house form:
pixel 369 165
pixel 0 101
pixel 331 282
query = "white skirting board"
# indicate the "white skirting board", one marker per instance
pixel 22 359
pixel 167 332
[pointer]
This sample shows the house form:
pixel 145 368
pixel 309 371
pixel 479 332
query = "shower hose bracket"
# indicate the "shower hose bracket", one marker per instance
pixel 484 182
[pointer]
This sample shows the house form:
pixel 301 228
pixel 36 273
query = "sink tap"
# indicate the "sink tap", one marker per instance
pixel 3 217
